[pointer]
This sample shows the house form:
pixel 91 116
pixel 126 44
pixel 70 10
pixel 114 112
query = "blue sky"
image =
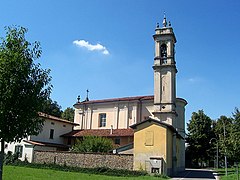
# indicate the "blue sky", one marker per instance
pixel 207 49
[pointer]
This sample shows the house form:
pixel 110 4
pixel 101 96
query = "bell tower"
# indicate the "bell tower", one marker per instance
pixel 165 73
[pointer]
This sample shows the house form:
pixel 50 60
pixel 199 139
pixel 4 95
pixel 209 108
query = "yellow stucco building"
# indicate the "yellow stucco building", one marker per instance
pixel 153 147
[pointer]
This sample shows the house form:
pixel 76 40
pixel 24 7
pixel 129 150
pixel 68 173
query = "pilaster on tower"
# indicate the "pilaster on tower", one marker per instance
pixel 165 73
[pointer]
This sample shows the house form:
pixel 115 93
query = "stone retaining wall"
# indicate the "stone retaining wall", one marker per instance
pixel 84 160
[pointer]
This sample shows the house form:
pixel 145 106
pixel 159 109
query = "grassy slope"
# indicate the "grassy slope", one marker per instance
pixel 19 173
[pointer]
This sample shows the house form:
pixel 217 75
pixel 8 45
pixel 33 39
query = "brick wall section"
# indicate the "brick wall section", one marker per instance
pixel 85 160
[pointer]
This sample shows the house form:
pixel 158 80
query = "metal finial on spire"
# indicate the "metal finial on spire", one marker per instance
pixel 169 24
pixel 87 99
pixel 78 99
pixel 157 26
pixel 164 20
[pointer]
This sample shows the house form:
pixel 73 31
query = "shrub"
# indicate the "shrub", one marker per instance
pixel 93 144
pixel 161 176
pixel 11 158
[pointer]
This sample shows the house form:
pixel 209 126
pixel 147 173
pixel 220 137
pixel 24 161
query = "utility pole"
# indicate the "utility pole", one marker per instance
pixel 225 148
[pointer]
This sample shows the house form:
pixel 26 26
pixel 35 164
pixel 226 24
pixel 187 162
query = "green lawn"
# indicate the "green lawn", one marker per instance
pixel 231 174
pixel 229 177
pixel 16 172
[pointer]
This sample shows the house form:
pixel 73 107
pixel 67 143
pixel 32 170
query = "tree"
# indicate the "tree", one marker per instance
pixel 24 87
pixel 233 149
pixel 222 124
pixel 52 108
pixel 93 144
pixel 68 114
pixel 222 130
pixel 200 133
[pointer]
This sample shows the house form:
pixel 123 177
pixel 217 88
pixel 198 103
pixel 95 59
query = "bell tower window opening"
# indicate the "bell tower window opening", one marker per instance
pixel 163 50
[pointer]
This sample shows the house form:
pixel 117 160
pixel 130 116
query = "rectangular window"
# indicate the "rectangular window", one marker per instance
pixel 19 150
pixel 102 120
pixel 149 138
pixel 117 141
pixel 51 133
pixel 130 114
pixel 69 141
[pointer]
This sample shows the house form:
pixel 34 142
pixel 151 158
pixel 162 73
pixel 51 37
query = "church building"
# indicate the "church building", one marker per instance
pixel 154 125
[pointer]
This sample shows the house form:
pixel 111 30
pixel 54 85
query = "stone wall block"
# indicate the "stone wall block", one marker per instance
pixel 84 160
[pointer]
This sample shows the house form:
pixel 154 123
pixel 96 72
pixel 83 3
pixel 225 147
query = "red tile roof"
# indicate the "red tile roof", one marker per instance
pixel 39 143
pixel 47 116
pixel 151 97
pixel 100 132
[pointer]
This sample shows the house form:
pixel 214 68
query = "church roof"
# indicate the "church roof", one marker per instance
pixel 100 132
pixel 134 98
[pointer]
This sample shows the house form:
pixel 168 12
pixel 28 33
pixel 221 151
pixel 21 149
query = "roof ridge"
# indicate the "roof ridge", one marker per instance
pixel 129 98
pixel 44 115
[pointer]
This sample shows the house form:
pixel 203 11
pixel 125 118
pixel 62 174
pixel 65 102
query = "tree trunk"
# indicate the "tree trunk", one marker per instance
pixel 1 159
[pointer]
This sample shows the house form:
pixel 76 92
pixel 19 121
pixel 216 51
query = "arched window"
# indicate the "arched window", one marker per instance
pixel 163 50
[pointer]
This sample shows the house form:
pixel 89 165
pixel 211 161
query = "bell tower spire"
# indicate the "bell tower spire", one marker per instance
pixel 165 73
pixel 164 21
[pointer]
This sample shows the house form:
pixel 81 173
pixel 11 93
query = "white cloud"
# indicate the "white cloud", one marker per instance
pixel 195 80
pixel 192 80
pixel 91 47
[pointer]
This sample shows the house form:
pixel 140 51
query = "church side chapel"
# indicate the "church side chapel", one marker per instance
pixel 152 128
